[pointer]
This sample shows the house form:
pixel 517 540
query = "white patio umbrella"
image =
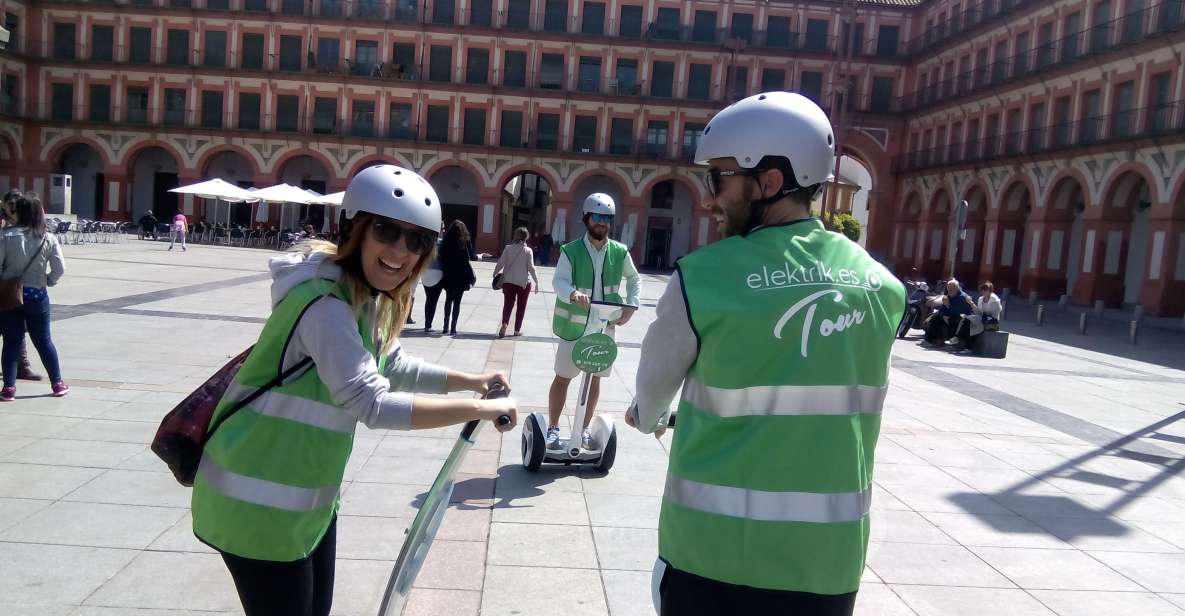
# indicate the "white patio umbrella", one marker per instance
pixel 219 190
pixel 627 233
pixel 283 193
pixel 333 203
pixel 558 228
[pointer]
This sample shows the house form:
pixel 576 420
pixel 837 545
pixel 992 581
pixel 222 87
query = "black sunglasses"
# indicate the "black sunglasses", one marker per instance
pixel 418 242
pixel 715 178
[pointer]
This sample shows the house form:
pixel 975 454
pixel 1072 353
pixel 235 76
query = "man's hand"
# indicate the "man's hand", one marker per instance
pixel 629 418
pixel 580 299
pixel 626 315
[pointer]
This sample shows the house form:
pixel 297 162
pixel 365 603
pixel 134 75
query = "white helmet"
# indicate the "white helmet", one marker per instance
pixel 393 192
pixel 772 124
pixel 599 203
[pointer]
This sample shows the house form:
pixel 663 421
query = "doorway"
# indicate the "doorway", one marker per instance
pixel 658 242
pixel 164 203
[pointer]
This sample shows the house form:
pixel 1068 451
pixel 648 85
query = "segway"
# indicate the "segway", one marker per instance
pixel 423 529
pixel 593 353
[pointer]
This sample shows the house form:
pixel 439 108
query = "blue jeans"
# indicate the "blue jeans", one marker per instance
pixel 33 317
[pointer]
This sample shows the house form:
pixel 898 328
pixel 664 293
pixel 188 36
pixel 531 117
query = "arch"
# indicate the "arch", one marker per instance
pixel 85 165
pixel 134 150
pixel 278 165
pixel 1120 177
pixel 974 185
pixel 476 172
pixel 150 180
pixel 12 143
pixel 911 206
pixel 1012 202
pixel 1177 202
pixel 204 160
pixel 56 151
pixel 1060 204
pixel 697 189
pixel 977 200
pixel 940 204
pixel 1070 172
pixel 506 176
pixel 857 144
pixel 611 174
pixel 459 190
pixel 230 169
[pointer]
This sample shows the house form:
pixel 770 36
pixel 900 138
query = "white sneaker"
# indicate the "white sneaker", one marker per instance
pixel 553 437
pixel 586 440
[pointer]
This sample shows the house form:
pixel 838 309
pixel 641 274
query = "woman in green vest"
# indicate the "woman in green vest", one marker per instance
pixel 266 491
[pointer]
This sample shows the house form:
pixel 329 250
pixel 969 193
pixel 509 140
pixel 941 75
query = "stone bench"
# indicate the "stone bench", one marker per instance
pixel 990 344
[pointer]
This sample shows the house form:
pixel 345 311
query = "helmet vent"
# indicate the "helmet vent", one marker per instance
pixel 761 98
pixel 398 172
pixel 427 202
pixel 708 129
pixel 398 193
pixel 829 139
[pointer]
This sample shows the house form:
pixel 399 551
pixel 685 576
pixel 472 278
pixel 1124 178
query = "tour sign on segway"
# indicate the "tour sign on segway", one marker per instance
pixel 593 353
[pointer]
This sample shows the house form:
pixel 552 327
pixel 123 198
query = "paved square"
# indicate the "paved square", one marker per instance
pixel 1046 483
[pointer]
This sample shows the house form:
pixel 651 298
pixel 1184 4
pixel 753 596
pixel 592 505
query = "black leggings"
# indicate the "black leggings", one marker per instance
pixel 433 294
pixel 298 588
pixel 452 306
pixel 686 594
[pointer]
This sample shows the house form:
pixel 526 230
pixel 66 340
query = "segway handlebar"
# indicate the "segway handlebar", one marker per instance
pixel 495 392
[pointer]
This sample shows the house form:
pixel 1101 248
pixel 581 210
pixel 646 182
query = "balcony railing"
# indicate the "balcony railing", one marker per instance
pixel 985 11
pixel 1150 122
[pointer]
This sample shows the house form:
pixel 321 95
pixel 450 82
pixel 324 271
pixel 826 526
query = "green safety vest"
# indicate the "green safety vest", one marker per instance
pixel 770 475
pixel 569 319
pixel 267 486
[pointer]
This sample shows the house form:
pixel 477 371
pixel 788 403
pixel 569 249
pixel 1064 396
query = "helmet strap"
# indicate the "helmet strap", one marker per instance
pixel 757 207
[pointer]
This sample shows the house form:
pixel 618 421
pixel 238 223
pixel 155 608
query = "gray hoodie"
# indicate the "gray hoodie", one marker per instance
pixel 328 333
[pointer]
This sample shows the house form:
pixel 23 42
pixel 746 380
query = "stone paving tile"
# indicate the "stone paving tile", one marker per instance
pixel 167 580
pixel 1054 569
pixel 939 565
pixel 465 523
pixel 358 586
pixel 435 602
pixel 136 432
pixel 542 545
pixel 453 565
pixel 629 592
pixel 13 510
pixel 370 538
pixel 543 508
pixel 381 499
pixel 133 488
pixel 93 524
pixel 626 548
pixel 1156 572
pixel 962 601
pixel 1100 603
pixel 880 600
pixel 180 538
pixel 40 481
pixel 530 591
pixel 1104 534
pixel 623 511
pixel 37 575
pixel 37 426
pixel 90 453
pixel 1007 530
pixel 908 527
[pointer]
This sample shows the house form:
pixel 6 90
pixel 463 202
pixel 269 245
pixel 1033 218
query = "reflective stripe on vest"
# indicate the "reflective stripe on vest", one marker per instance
pixel 295 408
pixel 570 319
pixel 262 492
pixel 579 319
pixel 784 400
pixel 768 506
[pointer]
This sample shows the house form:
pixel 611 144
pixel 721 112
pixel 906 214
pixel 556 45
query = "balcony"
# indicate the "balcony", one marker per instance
pixel 1151 122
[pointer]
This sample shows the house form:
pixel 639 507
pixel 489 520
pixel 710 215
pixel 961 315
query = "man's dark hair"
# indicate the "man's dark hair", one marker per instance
pixel 790 186
pixel 29 213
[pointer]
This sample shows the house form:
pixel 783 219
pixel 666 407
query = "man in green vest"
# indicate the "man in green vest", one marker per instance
pixel 780 336
pixel 591 268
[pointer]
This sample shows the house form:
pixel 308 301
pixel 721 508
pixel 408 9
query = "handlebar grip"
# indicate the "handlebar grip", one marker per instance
pixel 504 420
pixel 496 392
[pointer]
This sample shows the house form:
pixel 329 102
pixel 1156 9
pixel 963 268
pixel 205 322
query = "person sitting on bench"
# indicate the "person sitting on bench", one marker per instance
pixel 954 304
pixel 985 318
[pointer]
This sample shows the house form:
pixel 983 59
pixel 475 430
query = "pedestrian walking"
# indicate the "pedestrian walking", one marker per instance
pixel 515 265
pixel 458 272
pixel 780 336
pixel 179 231
pixel 24 370
pixel 31 254
pixel 266 491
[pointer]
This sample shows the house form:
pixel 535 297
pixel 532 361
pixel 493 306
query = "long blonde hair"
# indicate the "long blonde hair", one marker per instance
pixel 392 306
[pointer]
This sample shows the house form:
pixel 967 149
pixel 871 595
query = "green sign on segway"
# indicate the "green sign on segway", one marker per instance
pixel 594 353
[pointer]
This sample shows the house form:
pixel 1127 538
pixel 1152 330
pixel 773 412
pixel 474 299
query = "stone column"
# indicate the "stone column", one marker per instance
pixel 1102 277
pixel 487 236
pixel 1044 270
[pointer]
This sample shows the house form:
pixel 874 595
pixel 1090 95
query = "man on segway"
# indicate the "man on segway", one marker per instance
pixel 590 268
pixel 780 335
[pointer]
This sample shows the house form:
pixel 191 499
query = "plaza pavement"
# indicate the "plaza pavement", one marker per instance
pixel 1046 483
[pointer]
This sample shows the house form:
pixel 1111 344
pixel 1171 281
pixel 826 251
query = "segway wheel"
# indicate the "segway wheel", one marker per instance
pixel 534 444
pixel 608 452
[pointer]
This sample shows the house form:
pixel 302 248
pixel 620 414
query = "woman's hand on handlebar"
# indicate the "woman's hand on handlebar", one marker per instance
pixel 477 383
pixel 492 410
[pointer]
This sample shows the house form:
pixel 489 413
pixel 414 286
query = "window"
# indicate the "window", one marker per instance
pixel 662 76
pixel 1045 46
pixel 627 76
pixel 699 82
pixel 102 43
pixel 547 131
pixel 518 14
pixel 290 53
pixel 443 11
pixel 515 69
pixel 402 126
pixel 440 66
pixel 738 76
pixel 1100 33
pixel 475 127
pixel 593 19
pixel 742 27
pixel 211 109
pixel 555 16
pixel 174 107
pixel 368 9
pixel 972 145
pixel 63 42
pixel 991 140
pixel 1036 132
pixel 511 135
pixel 551 73
pixel 328 53
pixel 404 59
pixel 366 58
pixel 631 21
pixel 1012 129
pixel 437 124
pixel 704 27
pixel 1133 20
pixel 1000 67
pixel 1162 107
pixel 218 5
pixel 1091 108
pixel 140 45
pixel 477 66
pixel 773 79
pixel 1020 63
pixel 621 136
pixel 590 74
pixel 287 113
pixel 853 39
pixel 691 134
pixel 952 150
pixel 404 10
pixel 363 119
pixel 252 51
pixel 981 67
pixel 62 104
pixel 329 8
pixel 887 38
pixel 325 116
pixel 481 13
pixel 1170 15
pixel 292 7
pixel 666 24
pixel 214 49
pixel 882 94
pixel 1061 114
pixel 177 48
pixel 948 79
pixel 1071 33
pixel 964 74
pixel 249 108
pixel 777 32
pixel 584 134
pixel 100 107
pixel 181 4
pixel 255 5
pixel 816 34
pixel 656 138
pixel 12 23
pixel 137 103
pixel 811 85
pixel 1122 117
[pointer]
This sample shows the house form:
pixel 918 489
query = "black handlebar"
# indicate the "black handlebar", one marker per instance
pixel 495 392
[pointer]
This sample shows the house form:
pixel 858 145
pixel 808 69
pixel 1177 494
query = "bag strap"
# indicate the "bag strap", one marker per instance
pixel 275 382
pixel 35 255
